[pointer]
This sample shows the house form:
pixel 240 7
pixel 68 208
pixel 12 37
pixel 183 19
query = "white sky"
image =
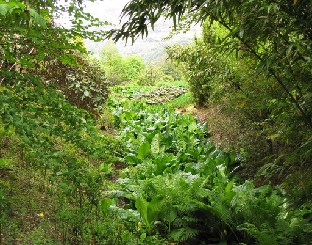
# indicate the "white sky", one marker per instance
pixel 107 9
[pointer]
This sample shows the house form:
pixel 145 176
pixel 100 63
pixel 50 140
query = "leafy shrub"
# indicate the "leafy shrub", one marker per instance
pixel 84 85
pixel 134 66
pixel 33 44
pixel 160 72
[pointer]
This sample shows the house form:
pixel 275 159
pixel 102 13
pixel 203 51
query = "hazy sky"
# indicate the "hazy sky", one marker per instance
pixel 107 9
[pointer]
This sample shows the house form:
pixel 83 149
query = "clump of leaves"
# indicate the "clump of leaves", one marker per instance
pixel 162 94
pixel 83 84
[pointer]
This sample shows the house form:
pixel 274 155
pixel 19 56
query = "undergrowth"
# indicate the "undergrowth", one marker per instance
pixel 55 166
pixel 186 189
pixel 66 179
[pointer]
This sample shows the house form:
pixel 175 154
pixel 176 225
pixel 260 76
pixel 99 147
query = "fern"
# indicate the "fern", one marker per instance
pixel 264 236
pixel 186 220
pixel 183 234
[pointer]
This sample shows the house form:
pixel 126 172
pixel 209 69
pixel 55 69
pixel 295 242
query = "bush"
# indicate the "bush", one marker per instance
pixel 203 69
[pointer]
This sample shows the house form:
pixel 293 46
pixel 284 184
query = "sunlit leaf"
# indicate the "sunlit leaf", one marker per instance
pixel 155 145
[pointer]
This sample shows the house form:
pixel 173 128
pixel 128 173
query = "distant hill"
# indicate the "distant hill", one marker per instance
pixel 151 48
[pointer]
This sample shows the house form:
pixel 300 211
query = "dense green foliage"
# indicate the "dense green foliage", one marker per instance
pixel 84 84
pixel 277 36
pixel 60 144
pixel 203 69
pixel 132 69
pixel 185 189
pixel 254 57
pixel 32 44
pixel 78 168
pixel 161 71
pixel 160 180
pixel 29 33
pixel 284 137
pixel 149 94
pixel 51 177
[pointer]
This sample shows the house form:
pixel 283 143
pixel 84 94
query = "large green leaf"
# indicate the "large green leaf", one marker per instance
pixel 153 209
pixel 192 126
pixel 4 9
pixel 38 19
pixel 128 115
pixel 105 204
pixel 131 158
pixel 144 150
pixel 141 204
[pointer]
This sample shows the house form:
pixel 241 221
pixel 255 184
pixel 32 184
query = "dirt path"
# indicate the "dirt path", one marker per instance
pixel 223 134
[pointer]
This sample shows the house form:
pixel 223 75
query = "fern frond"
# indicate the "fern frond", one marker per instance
pixel 185 221
pixel 183 234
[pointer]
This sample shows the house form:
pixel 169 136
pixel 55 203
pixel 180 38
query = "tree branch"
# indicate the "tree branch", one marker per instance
pixel 271 72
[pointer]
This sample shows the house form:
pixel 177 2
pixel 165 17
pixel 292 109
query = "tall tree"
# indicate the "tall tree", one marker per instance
pixel 29 33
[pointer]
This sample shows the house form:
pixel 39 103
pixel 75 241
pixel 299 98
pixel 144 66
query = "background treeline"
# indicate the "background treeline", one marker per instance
pixel 132 69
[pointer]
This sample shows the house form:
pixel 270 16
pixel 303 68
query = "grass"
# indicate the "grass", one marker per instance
pixel 26 206
pixel 182 101
pixel 178 83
